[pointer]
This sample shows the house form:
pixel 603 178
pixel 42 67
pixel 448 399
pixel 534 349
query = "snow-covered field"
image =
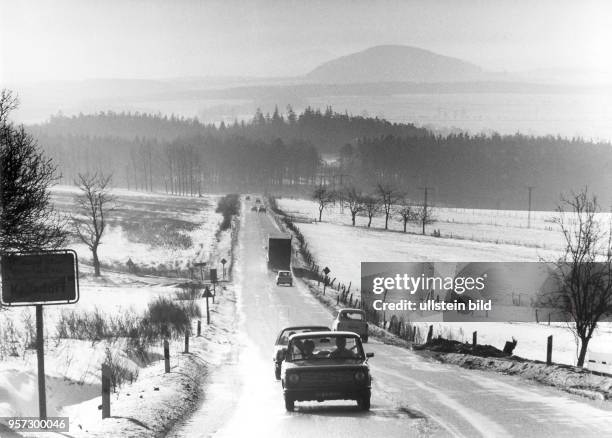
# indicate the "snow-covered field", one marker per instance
pixel 492 226
pixel 147 228
pixel 336 244
pixel 342 248
pixel 138 230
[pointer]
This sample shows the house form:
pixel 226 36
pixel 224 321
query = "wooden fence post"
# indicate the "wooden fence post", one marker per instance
pixel 167 355
pixel 549 350
pixel 187 341
pixel 430 334
pixel 106 383
pixel 474 338
pixel 199 327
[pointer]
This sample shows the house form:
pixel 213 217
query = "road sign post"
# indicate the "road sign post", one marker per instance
pixel 326 271
pixel 40 355
pixel 201 265
pixel 223 262
pixel 40 278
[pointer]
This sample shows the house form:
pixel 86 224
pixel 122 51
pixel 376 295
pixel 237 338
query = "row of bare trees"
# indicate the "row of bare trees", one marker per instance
pixel 385 199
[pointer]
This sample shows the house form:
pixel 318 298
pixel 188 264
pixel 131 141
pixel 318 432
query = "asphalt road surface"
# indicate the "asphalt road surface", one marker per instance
pixel 411 395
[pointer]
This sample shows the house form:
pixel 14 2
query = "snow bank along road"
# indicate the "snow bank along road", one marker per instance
pixel 411 396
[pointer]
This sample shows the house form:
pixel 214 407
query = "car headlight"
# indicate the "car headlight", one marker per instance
pixel 360 376
pixel 293 379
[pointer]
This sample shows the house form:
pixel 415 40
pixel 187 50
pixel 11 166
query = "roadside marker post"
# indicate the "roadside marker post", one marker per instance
pixel 213 279
pixel 166 356
pixel 474 338
pixel 106 383
pixel 199 327
pixel 37 278
pixel 549 345
pixel 187 341
pixel 207 293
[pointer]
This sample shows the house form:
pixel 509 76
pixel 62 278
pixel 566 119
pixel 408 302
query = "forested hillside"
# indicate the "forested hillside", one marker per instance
pixel 282 152
pixel 327 130
pixel 484 171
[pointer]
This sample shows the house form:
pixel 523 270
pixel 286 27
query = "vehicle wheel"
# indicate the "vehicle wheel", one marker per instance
pixel 365 339
pixel 277 372
pixel 290 284
pixel 289 404
pixel 364 403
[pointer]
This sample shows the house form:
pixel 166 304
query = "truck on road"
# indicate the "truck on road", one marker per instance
pixel 279 252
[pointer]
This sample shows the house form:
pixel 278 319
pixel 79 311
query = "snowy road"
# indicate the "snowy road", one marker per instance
pixel 411 396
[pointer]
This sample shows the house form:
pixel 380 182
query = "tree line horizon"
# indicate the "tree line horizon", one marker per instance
pixel 287 153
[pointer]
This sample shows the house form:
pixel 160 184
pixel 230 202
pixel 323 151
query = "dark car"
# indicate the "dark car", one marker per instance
pixel 254 208
pixel 248 198
pixel 326 366
pixel 262 209
pixel 280 346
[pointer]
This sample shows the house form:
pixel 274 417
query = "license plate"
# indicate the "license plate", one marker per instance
pixel 327 394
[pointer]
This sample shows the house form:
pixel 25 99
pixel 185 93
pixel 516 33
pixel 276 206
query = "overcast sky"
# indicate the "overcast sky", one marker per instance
pixel 77 39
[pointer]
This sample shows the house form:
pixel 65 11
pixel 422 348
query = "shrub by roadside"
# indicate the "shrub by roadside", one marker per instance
pixel 228 206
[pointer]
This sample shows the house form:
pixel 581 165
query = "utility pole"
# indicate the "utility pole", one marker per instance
pixel 425 211
pixel 529 188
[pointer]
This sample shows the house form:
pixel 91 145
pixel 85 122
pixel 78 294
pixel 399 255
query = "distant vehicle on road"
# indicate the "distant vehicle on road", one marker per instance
pixel 326 366
pixel 279 252
pixel 284 277
pixel 248 198
pixel 351 320
pixel 254 208
pixel 280 346
pixel 262 209
pixel 257 201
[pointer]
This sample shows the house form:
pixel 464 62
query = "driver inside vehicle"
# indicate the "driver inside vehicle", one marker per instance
pixel 341 352
pixel 308 348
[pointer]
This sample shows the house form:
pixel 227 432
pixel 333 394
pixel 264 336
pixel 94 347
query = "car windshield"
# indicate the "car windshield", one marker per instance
pixel 338 348
pixel 355 316
pixel 284 337
pixel 284 274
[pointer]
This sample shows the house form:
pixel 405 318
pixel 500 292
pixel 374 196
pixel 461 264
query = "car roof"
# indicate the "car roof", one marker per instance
pixel 302 327
pixel 324 333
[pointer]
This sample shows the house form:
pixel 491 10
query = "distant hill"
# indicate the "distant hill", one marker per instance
pixel 395 64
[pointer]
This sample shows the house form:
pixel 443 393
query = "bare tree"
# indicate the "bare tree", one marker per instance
pixel 324 197
pixel 424 216
pixel 370 207
pixel 94 203
pixel 388 197
pixel 584 270
pixel 407 213
pixel 353 201
pixel 28 220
